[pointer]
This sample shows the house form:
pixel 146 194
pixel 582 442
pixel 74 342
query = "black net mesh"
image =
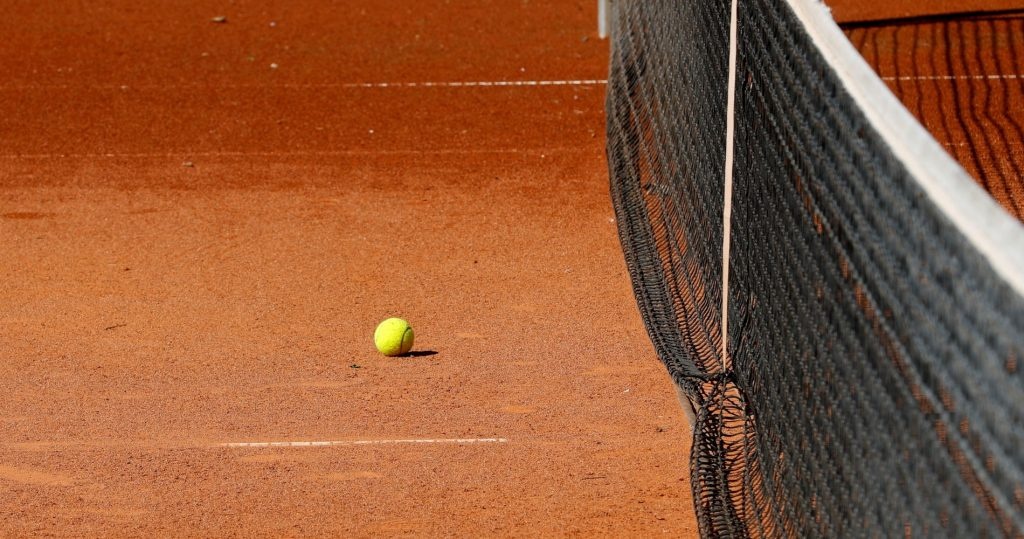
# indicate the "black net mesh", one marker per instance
pixel 872 385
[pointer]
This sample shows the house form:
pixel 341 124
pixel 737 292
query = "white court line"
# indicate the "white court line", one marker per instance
pixel 331 443
pixel 346 85
pixel 1011 143
pixel 437 84
pixel 474 84
pixel 326 153
pixel 1009 76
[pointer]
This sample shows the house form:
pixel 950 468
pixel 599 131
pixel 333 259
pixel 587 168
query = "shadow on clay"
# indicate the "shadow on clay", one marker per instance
pixel 420 353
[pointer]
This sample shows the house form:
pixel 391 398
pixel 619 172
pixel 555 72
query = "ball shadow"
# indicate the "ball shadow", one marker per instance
pixel 419 353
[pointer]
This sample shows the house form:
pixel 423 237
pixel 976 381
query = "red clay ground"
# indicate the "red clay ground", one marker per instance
pixel 152 310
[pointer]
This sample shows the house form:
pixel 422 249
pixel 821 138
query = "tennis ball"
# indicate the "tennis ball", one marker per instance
pixel 393 337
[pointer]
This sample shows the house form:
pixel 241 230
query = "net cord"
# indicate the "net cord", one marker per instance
pixel 995 233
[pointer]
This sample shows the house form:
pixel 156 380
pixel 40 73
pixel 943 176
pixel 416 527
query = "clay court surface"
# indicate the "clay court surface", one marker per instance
pixel 201 224
pixel 152 310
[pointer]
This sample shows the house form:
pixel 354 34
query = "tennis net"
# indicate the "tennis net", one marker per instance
pixel 871 381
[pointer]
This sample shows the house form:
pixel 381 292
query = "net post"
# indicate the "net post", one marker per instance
pixel 602 18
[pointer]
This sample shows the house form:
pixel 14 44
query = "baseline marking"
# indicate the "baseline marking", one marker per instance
pixel 472 84
pixel 347 85
pixel 330 443
pixel 596 82
pixel 1012 144
pixel 311 153
pixel 1009 76
pixel 442 84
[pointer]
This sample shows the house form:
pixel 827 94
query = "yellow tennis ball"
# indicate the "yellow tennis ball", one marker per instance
pixel 393 337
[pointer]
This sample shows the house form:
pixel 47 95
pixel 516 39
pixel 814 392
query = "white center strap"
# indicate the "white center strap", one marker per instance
pixel 730 128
